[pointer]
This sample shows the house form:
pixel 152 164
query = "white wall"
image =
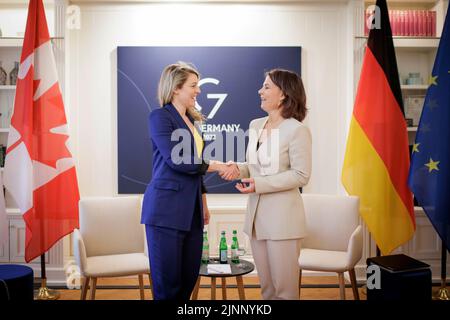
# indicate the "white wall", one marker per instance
pixel 320 29
pixel 13 18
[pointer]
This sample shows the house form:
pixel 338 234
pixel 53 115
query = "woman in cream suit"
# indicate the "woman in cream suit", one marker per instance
pixel 278 164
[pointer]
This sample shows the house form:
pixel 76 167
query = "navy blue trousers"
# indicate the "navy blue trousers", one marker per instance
pixel 175 258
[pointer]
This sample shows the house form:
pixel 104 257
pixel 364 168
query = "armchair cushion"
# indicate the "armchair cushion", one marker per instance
pixel 323 260
pixel 117 265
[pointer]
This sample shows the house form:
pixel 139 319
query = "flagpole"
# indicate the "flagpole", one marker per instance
pixel 44 292
pixel 442 293
pixel 378 252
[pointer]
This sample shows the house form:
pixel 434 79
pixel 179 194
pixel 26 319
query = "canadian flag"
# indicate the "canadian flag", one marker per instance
pixel 39 169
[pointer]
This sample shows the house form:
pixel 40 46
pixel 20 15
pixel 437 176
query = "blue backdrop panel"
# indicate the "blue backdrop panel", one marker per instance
pixel 231 78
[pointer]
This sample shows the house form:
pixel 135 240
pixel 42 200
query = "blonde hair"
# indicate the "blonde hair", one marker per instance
pixel 173 77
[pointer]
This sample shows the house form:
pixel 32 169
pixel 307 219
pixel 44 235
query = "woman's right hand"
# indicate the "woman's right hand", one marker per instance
pixel 230 171
pixel 227 171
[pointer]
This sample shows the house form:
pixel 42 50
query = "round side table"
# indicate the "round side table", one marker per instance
pixel 237 270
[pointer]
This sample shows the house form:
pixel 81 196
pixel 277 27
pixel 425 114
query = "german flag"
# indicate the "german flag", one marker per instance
pixel 376 163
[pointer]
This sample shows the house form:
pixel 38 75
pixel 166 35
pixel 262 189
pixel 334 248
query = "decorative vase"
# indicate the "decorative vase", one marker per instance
pixel 3 75
pixel 414 78
pixel 14 73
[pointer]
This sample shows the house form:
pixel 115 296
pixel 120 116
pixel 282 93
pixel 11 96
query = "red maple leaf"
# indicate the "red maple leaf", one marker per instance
pixel 34 120
pixel 48 113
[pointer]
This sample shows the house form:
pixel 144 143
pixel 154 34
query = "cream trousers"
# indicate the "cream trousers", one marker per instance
pixel 277 265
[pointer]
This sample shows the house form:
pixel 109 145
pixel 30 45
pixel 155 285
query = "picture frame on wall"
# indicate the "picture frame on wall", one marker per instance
pixel 230 79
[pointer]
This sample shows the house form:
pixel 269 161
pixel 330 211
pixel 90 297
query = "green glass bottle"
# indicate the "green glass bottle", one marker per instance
pixel 223 249
pixel 235 248
pixel 205 249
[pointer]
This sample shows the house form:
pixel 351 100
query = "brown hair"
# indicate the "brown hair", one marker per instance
pixel 290 83
pixel 173 77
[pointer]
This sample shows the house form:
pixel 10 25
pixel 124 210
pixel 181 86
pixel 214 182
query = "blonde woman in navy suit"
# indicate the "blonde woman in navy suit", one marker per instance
pixel 278 164
pixel 174 208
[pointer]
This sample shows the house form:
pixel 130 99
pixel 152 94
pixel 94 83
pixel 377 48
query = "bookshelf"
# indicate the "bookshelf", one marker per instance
pixel 13 15
pixel 415 55
pixel 11 42
pixel 10 49
pixel 6 87
pixel 415 58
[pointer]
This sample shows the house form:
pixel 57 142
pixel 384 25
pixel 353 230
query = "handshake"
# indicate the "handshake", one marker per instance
pixel 230 171
pixel 227 171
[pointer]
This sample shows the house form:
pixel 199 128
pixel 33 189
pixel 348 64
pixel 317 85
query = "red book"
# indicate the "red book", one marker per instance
pixel 433 23
pixel 415 29
pixel 424 23
pixel 410 23
pixel 420 23
pixel 428 32
pixel 401 14
pixel 407 22
pixel 396 30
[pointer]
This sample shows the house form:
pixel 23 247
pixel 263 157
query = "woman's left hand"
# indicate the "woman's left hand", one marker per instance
pixel 246 189
pixel 206 216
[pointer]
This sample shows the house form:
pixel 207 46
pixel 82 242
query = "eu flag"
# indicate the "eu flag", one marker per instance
pixel 429 174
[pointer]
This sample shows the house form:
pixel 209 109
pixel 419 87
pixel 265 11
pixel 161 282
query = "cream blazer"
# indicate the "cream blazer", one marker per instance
pixel 280 166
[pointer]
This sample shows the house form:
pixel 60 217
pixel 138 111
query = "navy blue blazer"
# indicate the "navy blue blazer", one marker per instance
pixel 175 190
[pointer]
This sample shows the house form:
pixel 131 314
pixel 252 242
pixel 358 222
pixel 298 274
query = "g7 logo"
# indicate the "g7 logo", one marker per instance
pixel 219 96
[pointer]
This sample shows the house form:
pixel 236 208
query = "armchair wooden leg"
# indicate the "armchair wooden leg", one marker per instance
pixel 93 288
pixel 299 282
pixel 342 285
pixel 354 284
pixel 84 287
pixel 141 286
pixel 151 283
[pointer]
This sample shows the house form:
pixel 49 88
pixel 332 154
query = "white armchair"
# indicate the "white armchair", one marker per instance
pixel 334 240
pixel 111 241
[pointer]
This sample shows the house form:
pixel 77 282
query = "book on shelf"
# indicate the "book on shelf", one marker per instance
pixel 408 23
pixel 413 105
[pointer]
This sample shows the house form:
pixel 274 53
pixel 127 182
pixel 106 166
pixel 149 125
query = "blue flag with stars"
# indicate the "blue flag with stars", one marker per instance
pixel 429 174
